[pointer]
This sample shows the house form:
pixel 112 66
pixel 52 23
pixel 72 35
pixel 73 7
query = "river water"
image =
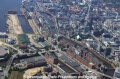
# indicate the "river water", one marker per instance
pixel 6 5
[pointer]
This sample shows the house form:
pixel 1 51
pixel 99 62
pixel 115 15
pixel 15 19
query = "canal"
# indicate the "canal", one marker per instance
pixel 25 25
pixel 3 63
pixel 65 68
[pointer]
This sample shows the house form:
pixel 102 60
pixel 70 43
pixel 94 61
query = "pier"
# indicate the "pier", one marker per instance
pixel 13 24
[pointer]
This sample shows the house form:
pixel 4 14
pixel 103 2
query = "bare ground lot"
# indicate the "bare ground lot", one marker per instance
pixel 14 24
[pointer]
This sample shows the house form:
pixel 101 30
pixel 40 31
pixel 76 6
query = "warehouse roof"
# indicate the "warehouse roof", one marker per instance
pixel 70 62
pixel 23 38
pixel 45 43
pixel 34 59
pixel 52 55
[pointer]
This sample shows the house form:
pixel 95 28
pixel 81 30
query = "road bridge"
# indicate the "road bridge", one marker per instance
pixel 6 71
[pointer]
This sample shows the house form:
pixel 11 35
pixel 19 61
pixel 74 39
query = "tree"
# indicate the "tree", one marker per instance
pixel 3 66
pixel 5 77
pixel 46 47
pixel 55 43
pixel 86 69
pixel 117 64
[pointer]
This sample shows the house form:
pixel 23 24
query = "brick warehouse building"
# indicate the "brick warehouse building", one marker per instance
pixel 65 43
pixel 51 56
pixel 34 61
pixel 84 57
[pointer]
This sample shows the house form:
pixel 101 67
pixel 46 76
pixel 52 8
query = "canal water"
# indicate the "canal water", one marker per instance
pixel 6 5
pixel 3 63
pixel 25 25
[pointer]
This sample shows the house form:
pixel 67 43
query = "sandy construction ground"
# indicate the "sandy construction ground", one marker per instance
pixel 9 25
pixel 33 71
pixel 13 36
pixel 14 24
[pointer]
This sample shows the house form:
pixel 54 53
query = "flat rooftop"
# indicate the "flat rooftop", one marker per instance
pixel 70 62
pixel 34 59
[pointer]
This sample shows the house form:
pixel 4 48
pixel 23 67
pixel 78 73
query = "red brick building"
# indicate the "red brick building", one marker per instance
pixel 83 57
pixel 51 56
pixel 23 46
pixel 34 62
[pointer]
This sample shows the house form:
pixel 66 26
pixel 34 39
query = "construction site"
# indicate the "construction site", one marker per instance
pixel 13 24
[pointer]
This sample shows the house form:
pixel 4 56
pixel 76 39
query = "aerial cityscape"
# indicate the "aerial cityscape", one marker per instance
pixel 60 39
